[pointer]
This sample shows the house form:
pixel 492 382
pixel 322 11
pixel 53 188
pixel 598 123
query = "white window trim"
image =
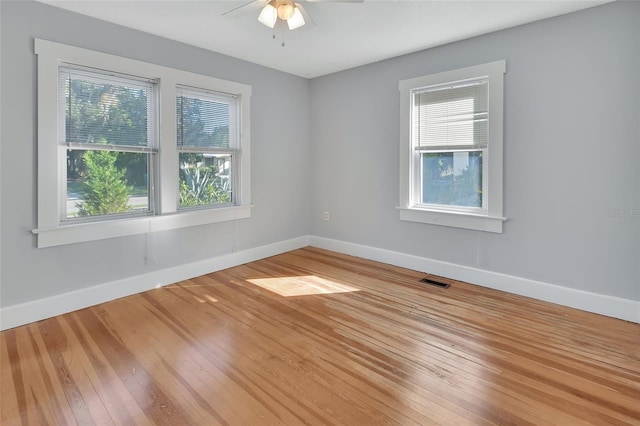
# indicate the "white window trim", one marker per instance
pixel 50 231
pixel 492 220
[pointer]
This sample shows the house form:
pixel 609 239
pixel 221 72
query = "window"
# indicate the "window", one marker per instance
pixel 109 142
pixel 127 147
pixel 451 148
pixel 208 147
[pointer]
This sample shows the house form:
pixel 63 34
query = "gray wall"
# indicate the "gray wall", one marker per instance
pixel 280 160
pixel 572 144
pixel 572 147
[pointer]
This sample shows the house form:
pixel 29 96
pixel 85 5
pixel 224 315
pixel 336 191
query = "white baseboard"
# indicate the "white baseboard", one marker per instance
pixel 615 307
pixel 24 313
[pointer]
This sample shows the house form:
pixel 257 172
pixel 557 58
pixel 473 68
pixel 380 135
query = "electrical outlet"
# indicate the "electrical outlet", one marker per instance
pixel 325 216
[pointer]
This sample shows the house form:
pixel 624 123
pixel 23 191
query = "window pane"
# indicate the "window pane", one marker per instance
pixel 205 120
pixel 452 178
pixel 205 179
pixel 102 109
pixel 106 182
pixel 451 116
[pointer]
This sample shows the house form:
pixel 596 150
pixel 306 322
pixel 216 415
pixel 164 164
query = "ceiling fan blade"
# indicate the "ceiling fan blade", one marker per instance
pixel 308 20
pixel 230 11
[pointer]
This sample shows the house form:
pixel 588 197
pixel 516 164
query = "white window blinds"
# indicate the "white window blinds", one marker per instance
pixel 452 115
pixel 206 120
pixel 103 109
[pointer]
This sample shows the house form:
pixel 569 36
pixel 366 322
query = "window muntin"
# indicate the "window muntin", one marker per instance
pixel 208 143
pixel 107 133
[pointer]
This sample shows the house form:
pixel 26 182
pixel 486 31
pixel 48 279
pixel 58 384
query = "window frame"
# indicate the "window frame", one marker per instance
pixel 233 150
pixel 150 150
pixel 490 217
pixel 51 231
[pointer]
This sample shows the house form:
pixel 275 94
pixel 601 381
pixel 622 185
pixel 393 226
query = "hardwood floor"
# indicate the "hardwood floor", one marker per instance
pixel 348 341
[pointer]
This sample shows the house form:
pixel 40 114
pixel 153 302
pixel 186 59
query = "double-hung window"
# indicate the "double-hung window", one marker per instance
pixel 108 139
pixel 128 147
pixel 208 142
pixel 451 148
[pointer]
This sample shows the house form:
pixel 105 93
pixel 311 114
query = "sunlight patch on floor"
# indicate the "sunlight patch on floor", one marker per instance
pixel 301 285
pixel 207 297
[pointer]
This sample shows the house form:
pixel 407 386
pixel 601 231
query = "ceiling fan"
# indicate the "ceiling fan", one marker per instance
pixel 281 12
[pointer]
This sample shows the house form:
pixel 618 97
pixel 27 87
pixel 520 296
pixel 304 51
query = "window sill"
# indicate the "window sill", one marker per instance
pixel 453 219
pixel 91 231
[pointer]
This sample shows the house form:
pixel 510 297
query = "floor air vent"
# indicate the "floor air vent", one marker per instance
pixel 435 283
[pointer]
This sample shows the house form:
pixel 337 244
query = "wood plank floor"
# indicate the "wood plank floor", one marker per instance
pixel 315 337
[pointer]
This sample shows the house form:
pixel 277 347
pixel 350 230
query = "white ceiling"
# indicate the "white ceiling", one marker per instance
pixel 345 35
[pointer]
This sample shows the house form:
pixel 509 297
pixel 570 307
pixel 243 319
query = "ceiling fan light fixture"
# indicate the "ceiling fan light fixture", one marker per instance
pixel 296 20
pixel 285 11
pixel 268 16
